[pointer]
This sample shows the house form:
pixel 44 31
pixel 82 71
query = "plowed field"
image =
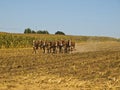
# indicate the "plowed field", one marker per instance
pixel 92 66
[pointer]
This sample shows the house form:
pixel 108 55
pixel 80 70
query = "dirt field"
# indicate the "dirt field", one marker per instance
pixel 92 66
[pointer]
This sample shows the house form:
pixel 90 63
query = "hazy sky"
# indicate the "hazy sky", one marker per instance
pixel 73 17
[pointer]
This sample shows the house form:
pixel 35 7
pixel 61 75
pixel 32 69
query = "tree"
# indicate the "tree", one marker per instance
pixel 60 33
pixel 27 30
pixel 42 32
pixel 39 32
pixel 33 31
pixel 45 32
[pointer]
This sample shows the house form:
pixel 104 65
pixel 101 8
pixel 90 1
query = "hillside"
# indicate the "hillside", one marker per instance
pixel 93 65
pixel 13 40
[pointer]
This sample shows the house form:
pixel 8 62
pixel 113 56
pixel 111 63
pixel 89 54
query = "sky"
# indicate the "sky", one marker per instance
pixel 73 17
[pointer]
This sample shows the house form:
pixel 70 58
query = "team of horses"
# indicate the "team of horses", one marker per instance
pixel 59 46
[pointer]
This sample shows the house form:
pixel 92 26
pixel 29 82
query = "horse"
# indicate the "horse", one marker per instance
pixel 54 46
pixel 35 45
pixel 70 46
pixel 61 46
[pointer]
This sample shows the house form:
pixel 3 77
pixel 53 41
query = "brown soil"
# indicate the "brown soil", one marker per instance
pixel 92 66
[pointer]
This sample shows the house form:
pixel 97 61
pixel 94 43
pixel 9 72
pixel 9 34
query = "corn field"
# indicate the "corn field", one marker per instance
pixel 9 40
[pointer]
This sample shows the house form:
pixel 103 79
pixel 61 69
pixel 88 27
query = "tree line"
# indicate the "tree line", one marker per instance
pixel 29 31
